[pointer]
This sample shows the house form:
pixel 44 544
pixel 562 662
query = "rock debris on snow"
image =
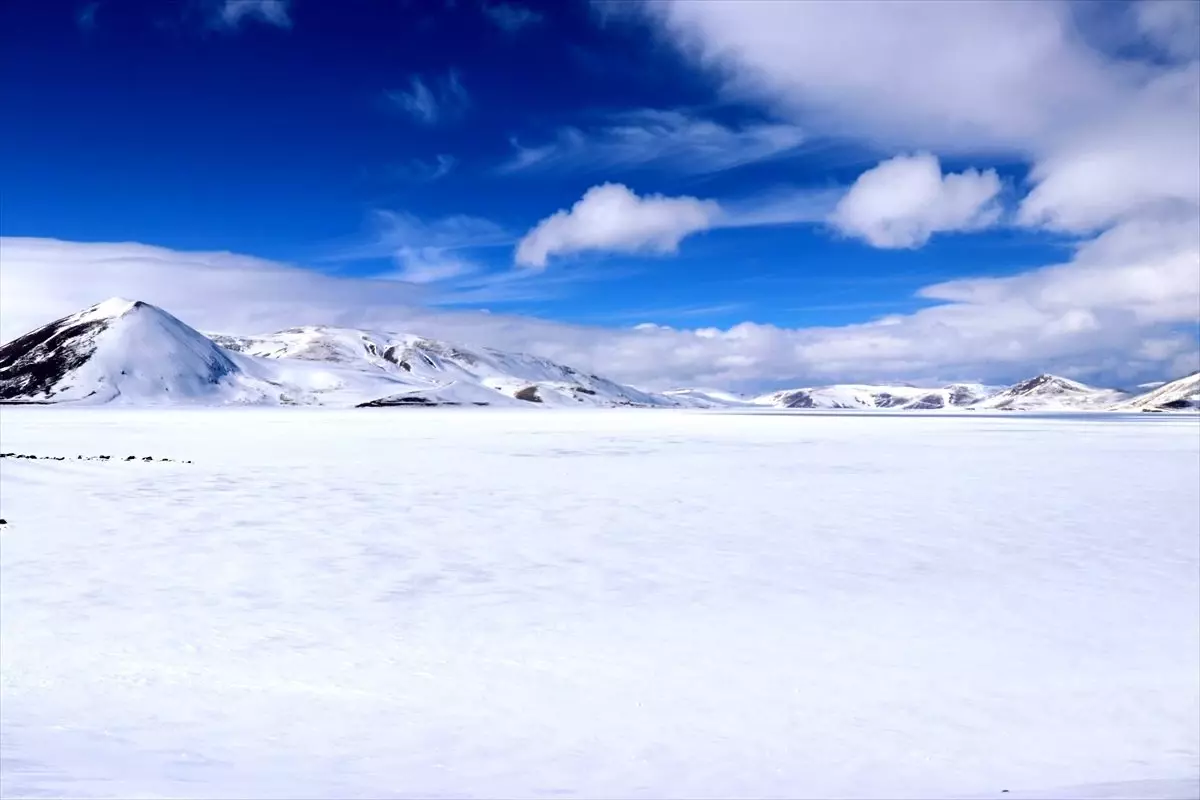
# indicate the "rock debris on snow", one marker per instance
pixel 81 457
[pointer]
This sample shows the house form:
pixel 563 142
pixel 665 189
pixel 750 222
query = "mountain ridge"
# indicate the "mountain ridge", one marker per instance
pixel 131 352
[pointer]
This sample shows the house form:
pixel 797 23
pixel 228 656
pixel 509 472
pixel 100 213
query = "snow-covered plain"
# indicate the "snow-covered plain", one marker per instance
pixel 462 602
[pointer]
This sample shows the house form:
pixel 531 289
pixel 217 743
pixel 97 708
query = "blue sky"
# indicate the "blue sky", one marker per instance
pixel 430 144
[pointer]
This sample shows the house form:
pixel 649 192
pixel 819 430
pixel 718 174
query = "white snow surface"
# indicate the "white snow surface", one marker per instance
pixel 621 603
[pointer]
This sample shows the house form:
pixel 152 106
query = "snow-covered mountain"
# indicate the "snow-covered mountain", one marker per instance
pixel 434 372
pixel 1051 393
pixel 1178 395
pixel 862 396
pixel 116 349
pixel 706 398
pixel 129 352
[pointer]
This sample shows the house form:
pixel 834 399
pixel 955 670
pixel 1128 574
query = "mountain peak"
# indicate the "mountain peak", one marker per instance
pixel 110 309
pixel 1048 382
pixel 107 352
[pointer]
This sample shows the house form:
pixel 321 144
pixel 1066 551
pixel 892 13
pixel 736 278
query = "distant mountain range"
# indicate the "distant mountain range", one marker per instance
pixel 133 353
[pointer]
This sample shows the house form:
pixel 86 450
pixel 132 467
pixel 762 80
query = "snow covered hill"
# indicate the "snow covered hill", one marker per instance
pixel 1051 393
pixel 131 352
pixel 1178 395
pixel 435 372
pixel 1042 393
pixel 706 398
pixel 861 396
pixel 118 349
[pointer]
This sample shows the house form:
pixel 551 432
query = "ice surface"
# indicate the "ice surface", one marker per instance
pixel 428 602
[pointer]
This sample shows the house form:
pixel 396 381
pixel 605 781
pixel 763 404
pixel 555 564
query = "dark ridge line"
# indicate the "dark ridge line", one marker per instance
pixel 147 459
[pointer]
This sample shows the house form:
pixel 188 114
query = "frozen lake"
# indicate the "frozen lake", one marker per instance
pixel 417 603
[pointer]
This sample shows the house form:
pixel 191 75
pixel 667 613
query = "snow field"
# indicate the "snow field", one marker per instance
pixel 486 603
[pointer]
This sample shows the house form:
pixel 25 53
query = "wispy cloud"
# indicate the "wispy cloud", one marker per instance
pixel 425 265
pixel 53 278
pixel 426 170
pixel 392 230
pixel 521 286
pixel 439 101
pixel 669 139
pixel 512 18
pixel 85 17
pixel 425 251
pixel 453 260
pixel 233 14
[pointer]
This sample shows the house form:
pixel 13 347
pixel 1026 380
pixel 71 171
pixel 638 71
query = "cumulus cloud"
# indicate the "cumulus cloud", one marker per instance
pixel 905 200
pixel 233 13
pixel 1145 159
pixel 431 103
pixel 1110 132
pixel 512 18
pixel 1108 137
pixel 613 218
pixel 1135 323
pixel 672 139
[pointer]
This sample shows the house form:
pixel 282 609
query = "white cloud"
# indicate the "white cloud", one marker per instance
pixel 648 137
pixel 45 279
pixel 423 265
pixel 905 200
pixel 909 74
pixel 85 17
pixel 393 230
pixel 426 170
pixel 1123 310
pixel 446 100
pixel 1145 270
pixel 510 17
pixel 232 13
pixel 426 252
pixel 1110 132
pixel 1142 158
pixel 1107 137
pixel 612 218
pixel 1173 25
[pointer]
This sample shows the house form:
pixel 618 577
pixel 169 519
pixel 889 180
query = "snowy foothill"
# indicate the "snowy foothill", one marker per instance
pixel 471 602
